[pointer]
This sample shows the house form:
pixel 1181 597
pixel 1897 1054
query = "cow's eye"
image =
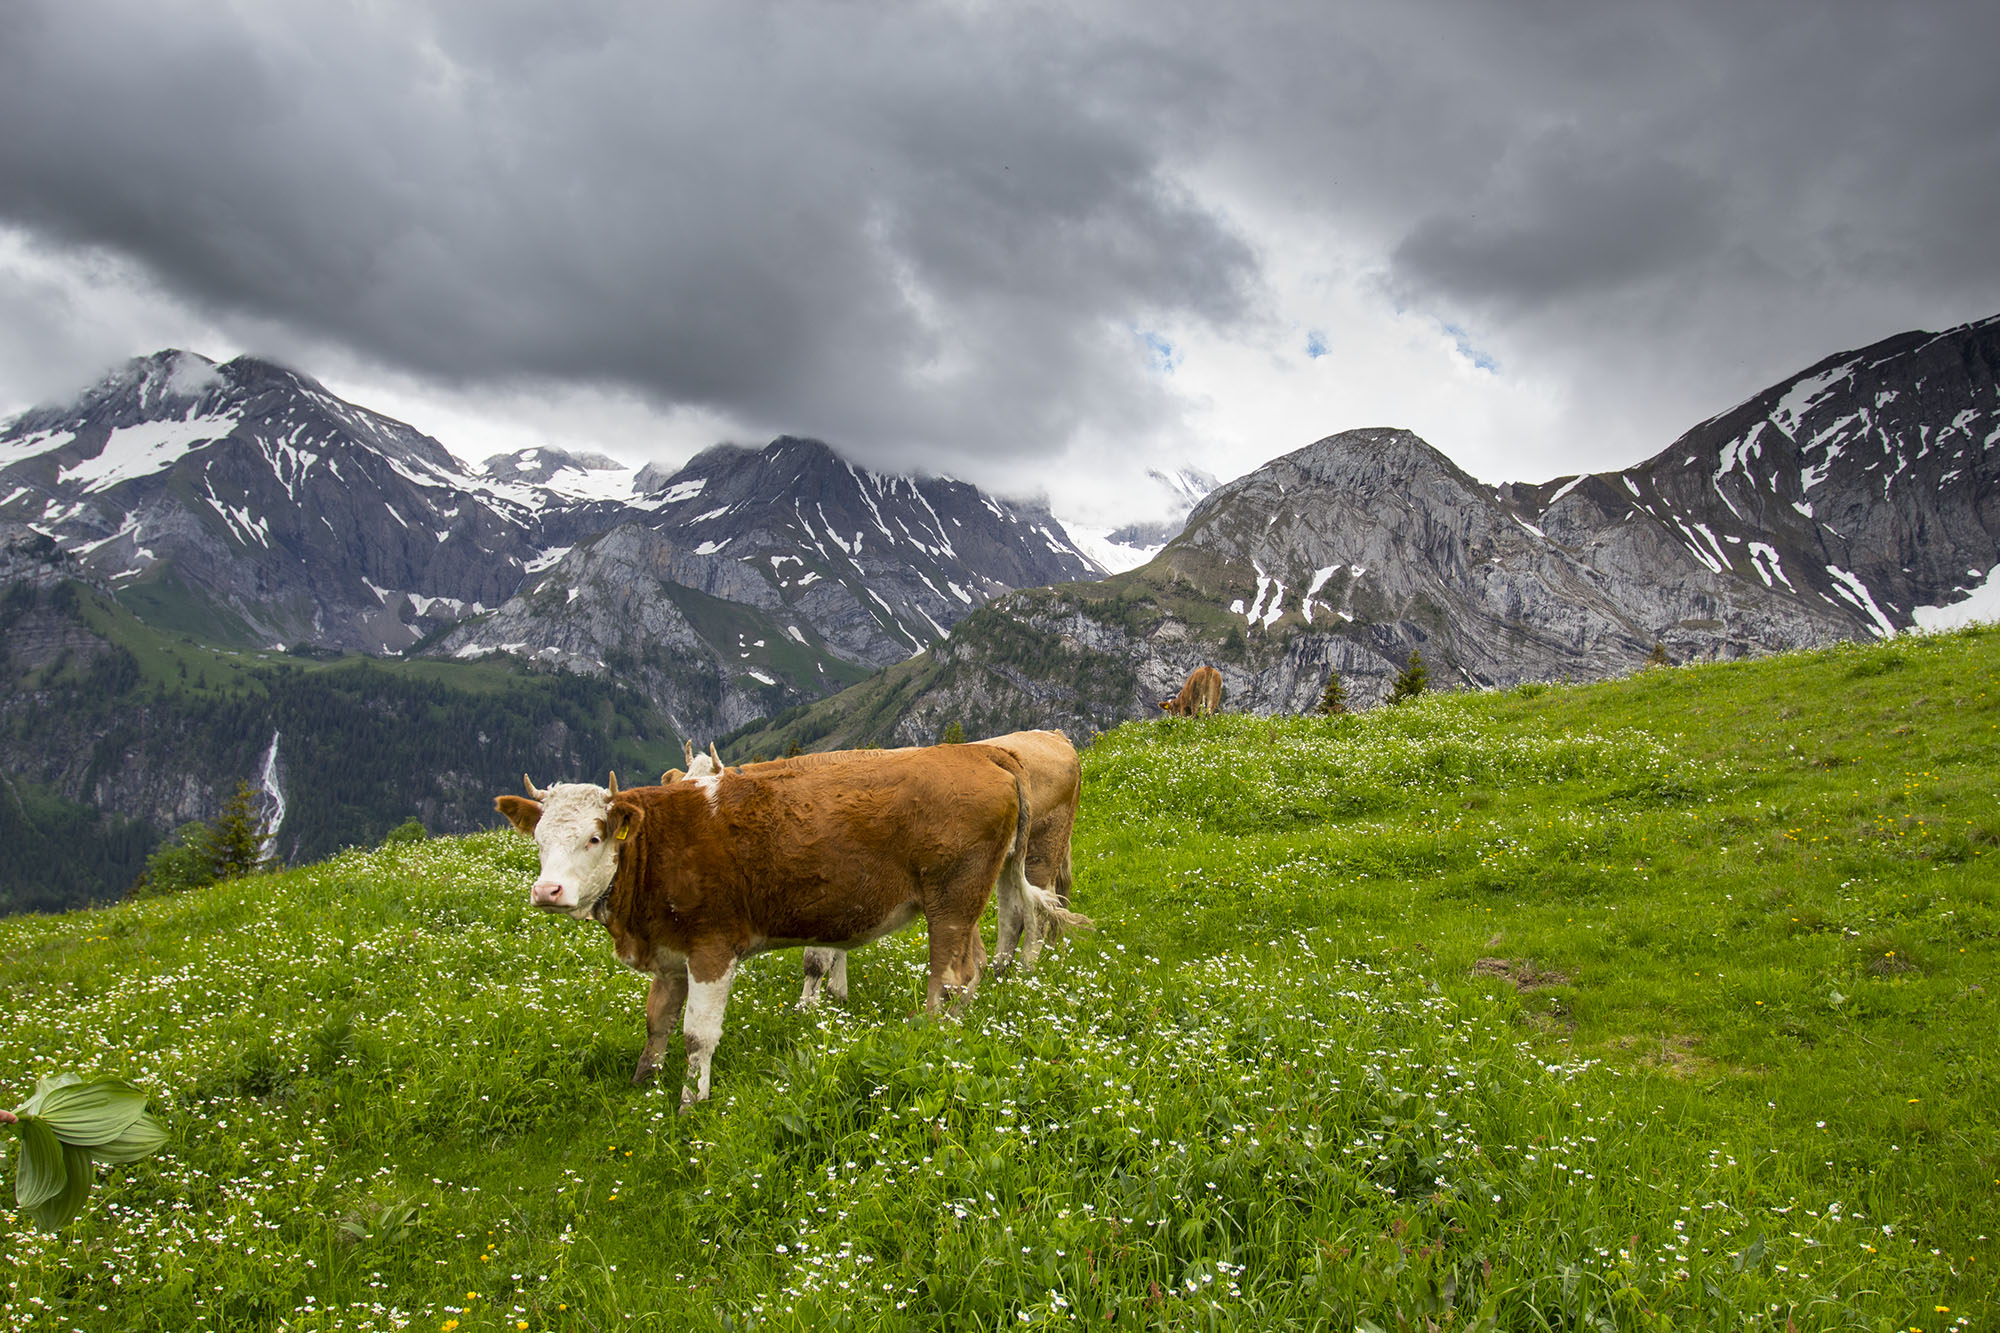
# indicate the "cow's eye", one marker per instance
pixel 594 840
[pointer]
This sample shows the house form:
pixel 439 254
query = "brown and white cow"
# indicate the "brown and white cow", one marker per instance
pixel 698 765
pixel 1055 783
pixel 1200 696
pixel 692 877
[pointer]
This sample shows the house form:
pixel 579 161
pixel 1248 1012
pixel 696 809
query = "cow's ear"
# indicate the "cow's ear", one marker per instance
pixel 1167 704
pixel 622 819
pixel 521 812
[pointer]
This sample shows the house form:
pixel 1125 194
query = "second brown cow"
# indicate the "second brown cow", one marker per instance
pixel 1055 784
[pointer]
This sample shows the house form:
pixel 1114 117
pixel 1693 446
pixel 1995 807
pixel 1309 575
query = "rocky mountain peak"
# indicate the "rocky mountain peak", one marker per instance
pixel 1858 498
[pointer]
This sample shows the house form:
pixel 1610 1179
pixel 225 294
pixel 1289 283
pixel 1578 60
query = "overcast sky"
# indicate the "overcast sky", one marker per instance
pixel 1040 248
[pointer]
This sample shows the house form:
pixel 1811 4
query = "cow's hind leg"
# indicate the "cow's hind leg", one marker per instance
pixel 1010 910
pixel 703 1026
pixel 1021 927
pixel 665 999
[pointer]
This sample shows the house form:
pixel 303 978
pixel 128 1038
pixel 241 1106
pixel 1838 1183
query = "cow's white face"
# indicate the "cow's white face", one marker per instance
pixel 578 848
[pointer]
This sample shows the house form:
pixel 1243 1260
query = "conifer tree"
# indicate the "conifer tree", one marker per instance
pixel 1411 681
pixel 199 854
pixel 1658 657
pixel 236 838
pixel 1333 699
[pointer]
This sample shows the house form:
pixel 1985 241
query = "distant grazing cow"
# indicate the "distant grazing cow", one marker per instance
pixel 692 877
pixel 1200 696
pixel 1055 782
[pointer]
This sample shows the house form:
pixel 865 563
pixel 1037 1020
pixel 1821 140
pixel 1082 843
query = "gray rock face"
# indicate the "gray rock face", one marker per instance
pixel 769 577
pixel 703 636
pixel 880 565
pixel 1836 505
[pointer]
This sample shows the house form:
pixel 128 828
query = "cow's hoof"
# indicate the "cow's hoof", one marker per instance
pixel 643 1075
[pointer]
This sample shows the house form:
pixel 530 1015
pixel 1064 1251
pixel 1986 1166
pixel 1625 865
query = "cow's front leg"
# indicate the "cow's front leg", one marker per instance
pixel 819 967
pixel 708 996
pixel 665 999
pixel 954 960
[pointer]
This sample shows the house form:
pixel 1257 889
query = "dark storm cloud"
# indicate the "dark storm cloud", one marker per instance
pixel 1569 223
pixel 966 226
pixel 1768 181
pixel 889 224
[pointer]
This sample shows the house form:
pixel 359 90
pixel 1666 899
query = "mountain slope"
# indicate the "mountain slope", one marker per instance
pixel 1869 483
pixel 121 733
pixel 1841 503
pixel 244 502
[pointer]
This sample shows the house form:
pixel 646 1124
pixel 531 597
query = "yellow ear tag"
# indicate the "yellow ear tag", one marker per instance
pixel 622 832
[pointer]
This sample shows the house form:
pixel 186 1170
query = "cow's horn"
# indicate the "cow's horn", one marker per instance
pixel 716 758
pixel 614 784
pixel 687 748
pixel 533 790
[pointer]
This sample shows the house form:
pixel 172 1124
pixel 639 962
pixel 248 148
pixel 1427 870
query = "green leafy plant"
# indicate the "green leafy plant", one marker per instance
pixel 410 830
pixel 67 1127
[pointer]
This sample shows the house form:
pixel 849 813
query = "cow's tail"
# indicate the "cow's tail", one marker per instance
pixel 1024 818
pixel 1045 903
pixel 1050 906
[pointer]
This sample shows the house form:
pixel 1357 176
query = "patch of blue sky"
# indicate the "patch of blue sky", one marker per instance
pixel 1316 344
pixel 1465 349
pixel 1160 351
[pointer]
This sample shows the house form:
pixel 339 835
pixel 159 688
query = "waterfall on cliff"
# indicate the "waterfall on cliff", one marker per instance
pixel 274 799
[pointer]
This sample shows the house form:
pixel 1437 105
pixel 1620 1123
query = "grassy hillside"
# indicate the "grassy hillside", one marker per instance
pixel 1660 1004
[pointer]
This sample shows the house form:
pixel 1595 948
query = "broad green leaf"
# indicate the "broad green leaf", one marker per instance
pixel 145 1137
pixel 40 1175
pixel 43 1087
pixel 59 1211
pixel 94 1112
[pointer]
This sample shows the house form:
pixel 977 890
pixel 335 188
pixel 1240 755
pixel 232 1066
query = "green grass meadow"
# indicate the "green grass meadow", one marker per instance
pixel 1666 1003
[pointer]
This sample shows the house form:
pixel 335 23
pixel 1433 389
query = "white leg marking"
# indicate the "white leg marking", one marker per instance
pixel 703 1029
pixel 836 980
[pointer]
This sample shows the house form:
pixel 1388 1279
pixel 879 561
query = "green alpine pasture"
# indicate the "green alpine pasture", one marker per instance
pixel 1660 1004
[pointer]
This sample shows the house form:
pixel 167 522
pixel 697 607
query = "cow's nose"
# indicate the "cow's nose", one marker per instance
pixel 546 894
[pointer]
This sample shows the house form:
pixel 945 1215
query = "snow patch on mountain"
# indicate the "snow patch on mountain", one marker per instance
pixel 1099 547
pixel 1980 605
pixel 141 450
